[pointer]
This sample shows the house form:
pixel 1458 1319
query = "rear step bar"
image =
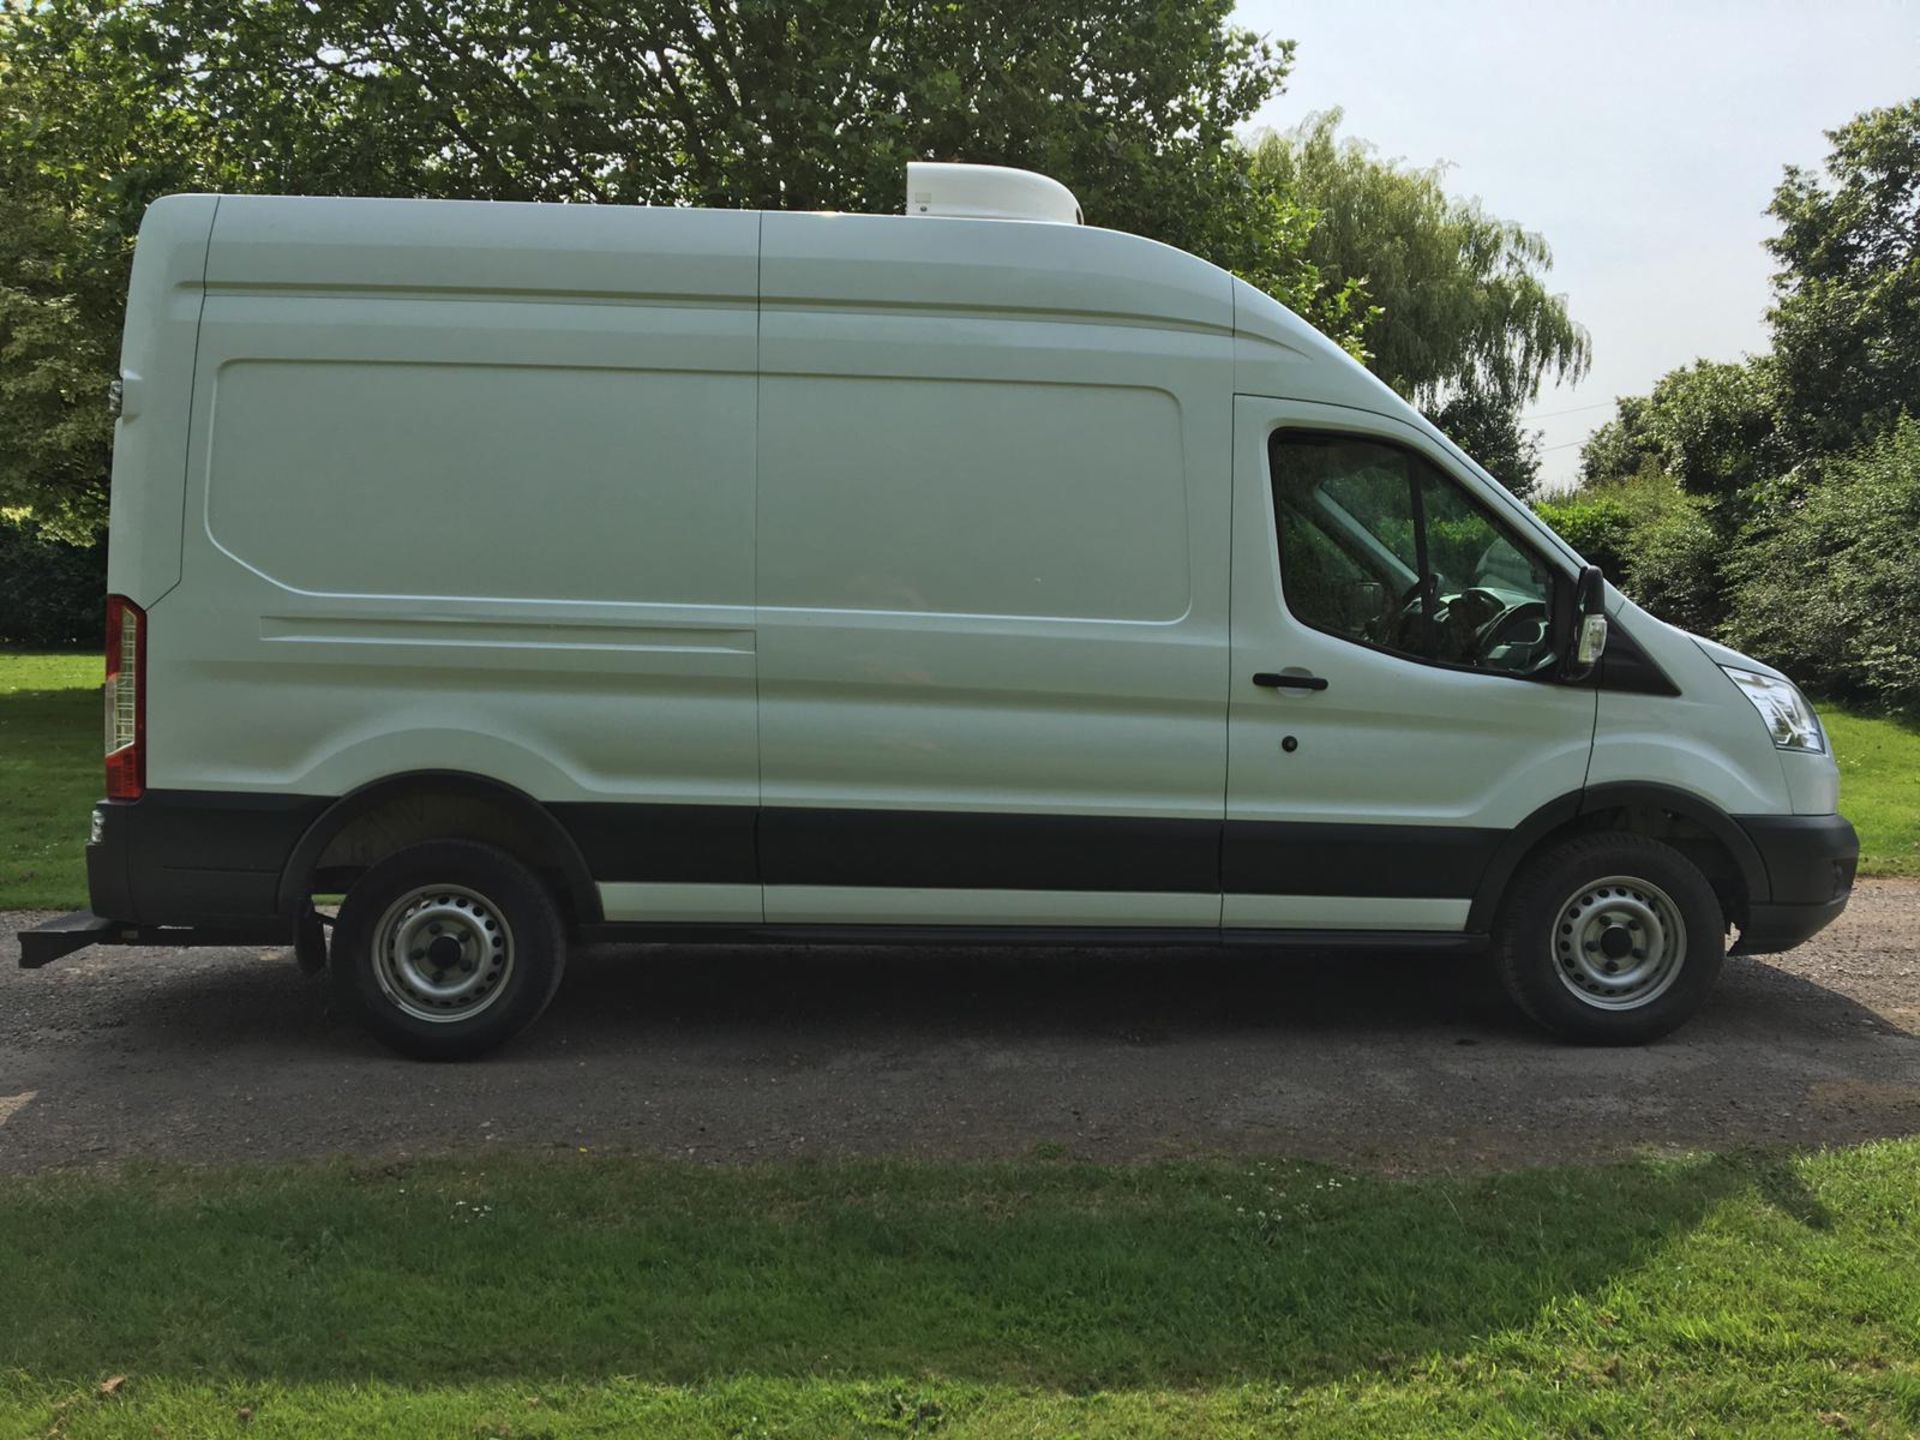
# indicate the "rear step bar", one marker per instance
pixel 44 944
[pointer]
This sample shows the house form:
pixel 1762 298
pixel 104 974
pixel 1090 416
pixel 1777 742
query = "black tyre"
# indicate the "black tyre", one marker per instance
pixel 1611 939
pixel 448 949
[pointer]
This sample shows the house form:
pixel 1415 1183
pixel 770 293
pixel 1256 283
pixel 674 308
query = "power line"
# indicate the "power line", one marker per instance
pixel 1575 410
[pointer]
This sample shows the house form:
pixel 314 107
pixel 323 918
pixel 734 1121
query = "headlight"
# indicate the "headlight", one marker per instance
pixel 1788 716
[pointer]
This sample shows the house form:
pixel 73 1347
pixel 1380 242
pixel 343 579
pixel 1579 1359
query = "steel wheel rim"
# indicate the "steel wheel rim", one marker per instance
pixel 442 953
pixel 1619 943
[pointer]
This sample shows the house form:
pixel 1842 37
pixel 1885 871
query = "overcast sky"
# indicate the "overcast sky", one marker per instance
pixel 1644 140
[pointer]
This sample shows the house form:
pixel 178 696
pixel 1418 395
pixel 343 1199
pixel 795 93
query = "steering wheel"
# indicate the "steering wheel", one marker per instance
pixel 1499 630
pixel 1478 607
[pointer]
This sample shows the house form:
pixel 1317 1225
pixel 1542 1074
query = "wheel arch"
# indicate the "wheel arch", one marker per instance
pixel 390 813
pixel 1697 827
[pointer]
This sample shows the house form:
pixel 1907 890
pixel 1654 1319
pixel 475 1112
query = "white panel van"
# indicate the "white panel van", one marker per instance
pixel 537 575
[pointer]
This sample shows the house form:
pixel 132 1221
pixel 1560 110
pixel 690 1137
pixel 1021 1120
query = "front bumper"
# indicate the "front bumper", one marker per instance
pixel 1810 862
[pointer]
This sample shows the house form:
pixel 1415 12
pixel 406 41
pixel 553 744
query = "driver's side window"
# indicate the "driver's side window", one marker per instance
pixel 1379 547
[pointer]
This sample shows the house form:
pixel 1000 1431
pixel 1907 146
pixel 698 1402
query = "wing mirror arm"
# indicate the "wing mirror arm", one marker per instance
pixel 1583 628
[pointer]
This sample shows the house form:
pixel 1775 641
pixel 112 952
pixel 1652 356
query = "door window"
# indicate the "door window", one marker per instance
pixel 1379 547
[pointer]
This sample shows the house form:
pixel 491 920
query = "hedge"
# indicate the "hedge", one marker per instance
pixel 52 596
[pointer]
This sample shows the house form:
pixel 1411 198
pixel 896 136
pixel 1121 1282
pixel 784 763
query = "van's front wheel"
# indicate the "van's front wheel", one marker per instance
pixel 1610 938
pixel 448 949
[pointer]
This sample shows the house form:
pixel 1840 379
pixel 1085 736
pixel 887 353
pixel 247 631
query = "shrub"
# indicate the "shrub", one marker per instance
pixel 52 595
pixel 1673 568
pixel 1826 586
pixel 1596 523
pixel 1655 542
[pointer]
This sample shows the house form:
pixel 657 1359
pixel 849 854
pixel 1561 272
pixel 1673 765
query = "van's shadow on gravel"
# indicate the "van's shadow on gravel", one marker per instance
pixel 1139 996
pixel 729 1054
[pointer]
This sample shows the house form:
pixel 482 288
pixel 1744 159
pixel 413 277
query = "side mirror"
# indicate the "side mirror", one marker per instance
pixel 1583 633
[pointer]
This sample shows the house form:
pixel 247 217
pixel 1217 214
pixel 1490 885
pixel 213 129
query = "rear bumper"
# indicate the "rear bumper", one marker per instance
pixel 209 860
pixel 1810 862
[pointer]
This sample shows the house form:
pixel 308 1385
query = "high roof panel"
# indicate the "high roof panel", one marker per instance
pixel 989 266
pixel 615 251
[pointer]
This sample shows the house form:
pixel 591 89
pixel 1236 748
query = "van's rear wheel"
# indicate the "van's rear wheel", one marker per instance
pixel 448 949
pixel 1610 938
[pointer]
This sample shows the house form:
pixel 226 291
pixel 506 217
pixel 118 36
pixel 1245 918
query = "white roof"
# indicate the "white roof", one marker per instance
pixel 614 252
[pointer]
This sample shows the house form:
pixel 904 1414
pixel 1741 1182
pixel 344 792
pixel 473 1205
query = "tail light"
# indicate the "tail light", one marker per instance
pixel 126 695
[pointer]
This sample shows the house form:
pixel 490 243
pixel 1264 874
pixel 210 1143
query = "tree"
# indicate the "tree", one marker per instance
pixel 55 593
pixel 1453 305
pixel 1827 586
pixel 57 346
pixel 1490 430
pixel 1846 312
pixel 99 114
pixel 790 104
pixel 1682 467
pixel 1799 469
pixel 1712 426
pixel 72 185
pixel 1620 447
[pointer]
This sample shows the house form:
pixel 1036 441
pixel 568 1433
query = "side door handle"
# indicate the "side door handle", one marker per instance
pixel 1290 680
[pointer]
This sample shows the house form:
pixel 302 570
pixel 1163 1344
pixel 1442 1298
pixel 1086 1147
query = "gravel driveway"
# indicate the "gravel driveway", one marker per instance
pixel 1388 1063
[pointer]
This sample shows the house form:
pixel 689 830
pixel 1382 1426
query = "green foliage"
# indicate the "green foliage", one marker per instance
pixel 1807 455
pixel 1597 523
pixel 1827 586
pixel 1618 450
pixel 1711 426
pixel 1490 430
pixel 1451 302
pixel 1458 299
pixel 1673 567
pixel 1846 314
pixel 55 591
pixel 782 104
pixel 1845 363
pixel 96 119
pixel 1653 540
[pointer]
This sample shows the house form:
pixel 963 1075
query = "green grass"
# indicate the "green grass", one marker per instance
pixel 578 1296
pixel 1879 787
pixel 50 775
